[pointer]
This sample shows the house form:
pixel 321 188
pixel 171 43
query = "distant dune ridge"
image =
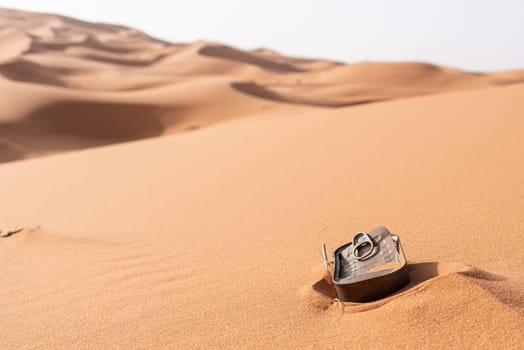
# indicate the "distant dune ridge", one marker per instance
pixel 209 239
pixel 58 75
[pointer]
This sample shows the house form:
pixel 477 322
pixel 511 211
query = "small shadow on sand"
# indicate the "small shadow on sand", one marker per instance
pixel 325 288
pixel 5 234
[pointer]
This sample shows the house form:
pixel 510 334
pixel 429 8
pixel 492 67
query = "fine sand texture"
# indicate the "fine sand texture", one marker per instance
pixel 200 179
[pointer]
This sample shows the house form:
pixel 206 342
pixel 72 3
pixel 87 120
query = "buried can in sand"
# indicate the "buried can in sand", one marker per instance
pixel 370 267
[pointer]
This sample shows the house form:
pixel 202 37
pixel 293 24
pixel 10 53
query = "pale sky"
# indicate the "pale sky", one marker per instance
pixel 469 34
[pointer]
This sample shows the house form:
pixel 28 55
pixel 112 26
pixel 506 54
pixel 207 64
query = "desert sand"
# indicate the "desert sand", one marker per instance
pixel 175 195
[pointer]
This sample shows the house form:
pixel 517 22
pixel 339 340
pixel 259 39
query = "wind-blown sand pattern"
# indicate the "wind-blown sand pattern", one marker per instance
pixel 210 238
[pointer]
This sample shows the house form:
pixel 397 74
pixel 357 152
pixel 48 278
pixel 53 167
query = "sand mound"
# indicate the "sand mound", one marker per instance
pixel 322 294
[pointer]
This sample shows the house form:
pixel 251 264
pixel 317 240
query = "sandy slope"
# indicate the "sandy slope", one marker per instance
pixel 209 239
pixel 67 84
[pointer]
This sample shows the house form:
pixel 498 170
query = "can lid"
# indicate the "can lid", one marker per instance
pixel 367 256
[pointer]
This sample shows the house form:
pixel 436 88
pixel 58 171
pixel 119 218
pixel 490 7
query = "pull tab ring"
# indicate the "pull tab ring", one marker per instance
pixel 360 241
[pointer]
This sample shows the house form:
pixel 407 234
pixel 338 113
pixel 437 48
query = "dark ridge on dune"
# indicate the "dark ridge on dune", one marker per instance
pixel 31 72
pixel 125 61
pixel 60 43
pixel 97 120
pixel 113 28
pixel 90 123
pixel 230 53
pixel 261 91
pixel 57 44
pixel 93 42
pixel 8 153
pixel 257 90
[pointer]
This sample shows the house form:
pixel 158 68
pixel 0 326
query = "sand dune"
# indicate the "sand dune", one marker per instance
pixel 210 238
pixel 104 63
pixel 14 43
